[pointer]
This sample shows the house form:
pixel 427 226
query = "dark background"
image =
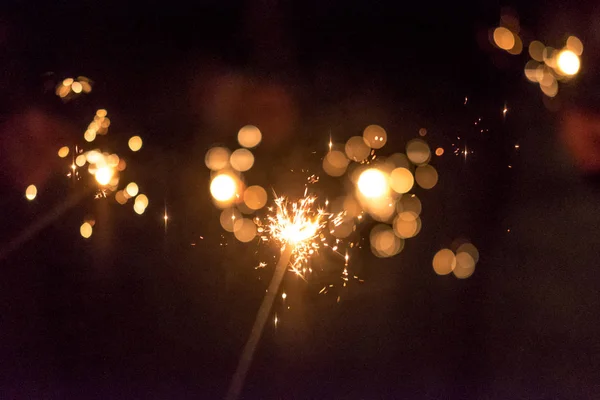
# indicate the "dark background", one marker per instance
pixel 138 311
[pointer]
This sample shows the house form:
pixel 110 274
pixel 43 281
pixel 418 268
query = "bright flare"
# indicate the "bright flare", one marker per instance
pixel 223 187
pixel 373 183
pixel 104 175
pixel 568 62
pixel 31 192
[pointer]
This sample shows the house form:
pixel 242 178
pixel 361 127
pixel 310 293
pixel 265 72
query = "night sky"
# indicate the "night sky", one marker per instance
pixel 138 311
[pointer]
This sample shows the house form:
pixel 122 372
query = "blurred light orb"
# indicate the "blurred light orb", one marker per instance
pixel 63 152
pixel 217 158
pixel 255 197
pixel 142 200
pixel 342 229
pixel 241 160
pixel 398 160
pixel 422 132
pixel 411 204
pixel 465 265
pixel 504 38
pixel 85 230
pixel 439 151
pixel 470 249
pixel 575 45
pixel 135 143
pixel 101 113
pixel 375 136
pixel 89 135
pixel 335 163
pixel 357 149
pixel 444 262
pixel 223 187
pixel 244 230
pixel 406 229
pixel 249 136
pixel 401 180
pixel 568 62
pixel 104 175
pixel 121 198
pixel 426 176
pixel 76 87
pixel 384 243
pixel 418 151
pixel 373 183
pixel 228 219
pixel 550 89
pixel 68 82
pixel 80 160
pixel 139 208
pixel 132 189
pixel 30 192
pixel 536 50
pixel 518 46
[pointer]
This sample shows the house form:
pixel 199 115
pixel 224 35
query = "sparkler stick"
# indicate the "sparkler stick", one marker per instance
pixel 237 382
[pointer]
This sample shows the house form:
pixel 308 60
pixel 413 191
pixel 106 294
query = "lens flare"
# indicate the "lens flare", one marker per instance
pixel 223 188
pixel 568 62
pixel 373 183
pixel 104 175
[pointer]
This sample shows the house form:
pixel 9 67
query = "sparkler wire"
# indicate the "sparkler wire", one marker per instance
pixel 237 381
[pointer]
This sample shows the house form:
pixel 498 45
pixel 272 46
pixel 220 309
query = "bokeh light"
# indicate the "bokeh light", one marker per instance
pixel 384 243
pixel 406 228
pixel 439 151
pixel 121 197
pixel 142 199
pixel 357 149
pixel 255 197
pixel 418 151
pixel 63 152
pixel 536 50
pixel 465 265
pixel 504 38
pixel 401 180
pixel 76 87
pixel 30 192
pixel 444 262
pixel 132 189
pixel 217 158
pixel 426 176
pixel 335 163
pixel 568 62
pixel 85 230
pixel 223 187
pixel 575 45
pixel 470 249
pixel 244 230
pixel 228 218
pixel 241 160
pixel 104 175
pixel 373 183
pixel 135 143
pixel 375 136
pixel 249 136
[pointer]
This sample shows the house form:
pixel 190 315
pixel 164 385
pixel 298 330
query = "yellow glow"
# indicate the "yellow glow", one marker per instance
pixel 244 230
pixel 465 265
pixel 375 136
pixel 411 204
pixel 536 50
pixel 373 183
pixel 76 87
pixel 401 180
pixel 405 227
pixel 504 38
pixel 89 135
pixel 384 243
pixel 444 262
pixel 120 197
pixel 426 176
pixel 357 149
pixel 439 151
pixel 80 160
pixel 255 197
pixel 418 151
pixel 241 160
pixel 575 45
pixel 335 163
pixel 217 158
pixel 101 113
pixel 86 87
pixel 68 82
pixel 30 192
pixel 470 249
pixel 142 200
pixel 518 46
pixel 223 187
pixel 63 152
pixel 135 143
pixel 85 230
pixel 132 189
pixel 104 175
pixel 568 62
pixel 228 218
pixel 139 208
pixel 249 136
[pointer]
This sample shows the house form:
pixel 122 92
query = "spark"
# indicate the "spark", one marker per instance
pixel 299 224
pixel 330 143
pixel 505 110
